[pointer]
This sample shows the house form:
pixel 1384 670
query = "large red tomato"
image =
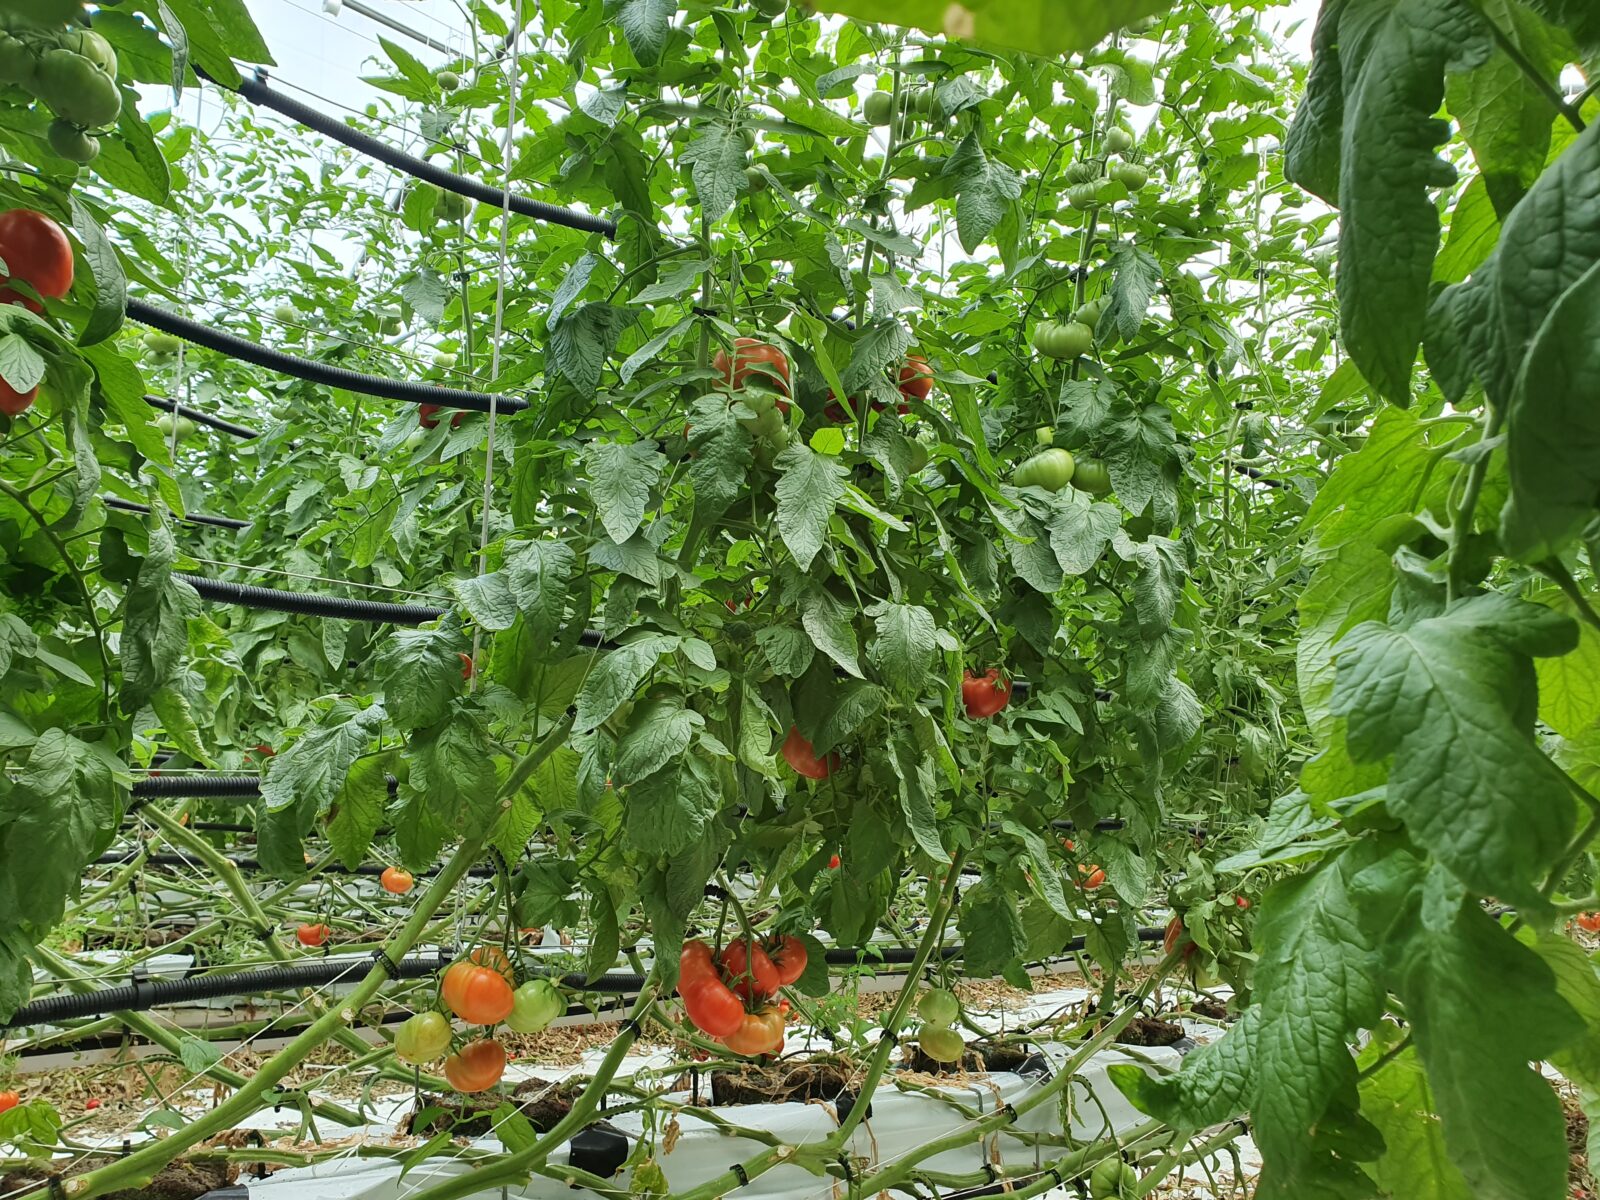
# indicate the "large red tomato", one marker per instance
pixel 750 973
pixel 916 378
pixel 711 1006
pixel 797 752
pixel 37 251
pixel 427 419
pixel 986 694
pixel 754 357
pixel 12 401
pixel 479 995
pixel 477 1067
pixel 694 963
pixel 788 955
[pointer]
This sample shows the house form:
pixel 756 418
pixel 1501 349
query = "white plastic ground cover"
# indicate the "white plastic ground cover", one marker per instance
pixel 900 1123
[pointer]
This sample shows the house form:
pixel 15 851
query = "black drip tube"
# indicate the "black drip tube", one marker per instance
pixel 257 92
pixel 196 787
pixel 373 870
pixel 192 518
pixel 316 372
pixel 141 996
pixel 203 418
pixel 312 606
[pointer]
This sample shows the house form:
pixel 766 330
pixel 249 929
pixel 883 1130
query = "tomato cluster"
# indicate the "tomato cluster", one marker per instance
pixel 939 1010
pixel 729 997
pixel 73 73
pixel 35 251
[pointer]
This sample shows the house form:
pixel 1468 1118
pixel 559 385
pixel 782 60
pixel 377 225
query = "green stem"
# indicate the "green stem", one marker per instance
pixel 1556 571
pixel 1461 528
pixel 1526 65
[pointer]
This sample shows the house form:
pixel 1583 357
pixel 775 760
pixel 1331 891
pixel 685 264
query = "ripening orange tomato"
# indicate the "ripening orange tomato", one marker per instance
pixel 313 935
pixel 477 1066
pixel 1093 876
pixel 1589 922
pixel 397 880
pixel 478 995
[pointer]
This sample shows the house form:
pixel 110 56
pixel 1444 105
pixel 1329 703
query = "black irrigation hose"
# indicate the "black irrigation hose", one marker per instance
pixel 143 995
pixel 312 606
pixel 316 372
pixel 257 92
pixel 203 418
pixel 196 787
pixel 193 518
pixel 374 870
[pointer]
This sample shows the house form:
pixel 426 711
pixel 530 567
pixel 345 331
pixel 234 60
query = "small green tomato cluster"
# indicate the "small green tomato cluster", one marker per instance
pixel 939 1009
pixel 71 72
pixel 1093 182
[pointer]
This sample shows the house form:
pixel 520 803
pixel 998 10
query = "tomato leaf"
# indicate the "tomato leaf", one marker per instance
pixel 807 492
pixel 658 732
pixel 155 631
pixel 421 669
pixel 905 646
pixel 621 475
pixel 646 24
pixel 1044 27
pixel 985 190
pixel 718 157
pixel 616 677
pixel 991 931
pixel 1452 699
pixel 1214 1085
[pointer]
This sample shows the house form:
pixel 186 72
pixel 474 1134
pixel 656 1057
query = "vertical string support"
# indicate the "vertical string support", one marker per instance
pixel 513 55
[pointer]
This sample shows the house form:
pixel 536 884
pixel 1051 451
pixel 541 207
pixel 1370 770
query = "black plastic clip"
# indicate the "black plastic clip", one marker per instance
pixel 381 958
pixel 56 1190
pixel 1012 1116
pixel 143 987
pixel 632 1026
pixel 849 1171
pixel 741 1174
pixel 988 1170
pixel 703 312
pixel 1055 1174
pixel 265 933
pixel 127 1147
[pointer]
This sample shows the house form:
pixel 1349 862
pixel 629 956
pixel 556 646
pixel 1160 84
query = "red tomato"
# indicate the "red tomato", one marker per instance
pixel 797 752
pixel 1069 845
pixel 1589 922
pixel 477 1066
pixel 1093 876
pixel 711 1006
pixel 8 1101
pixel 13 402
pixel 1241 901
pixel 397 880
pixel 92 1103
pixel 468 667
pixel 758 1033
pixel 429 421
pixel 788 955
pixel 479 995
pixel 495 959
pixel 986 694
pixel 694 963
pixel 833 863
pixel 1176 936
pixel 916 378
pixel 838 413
pixel 36 251
pixel 754 357
pixel 313 935
pixel 750 973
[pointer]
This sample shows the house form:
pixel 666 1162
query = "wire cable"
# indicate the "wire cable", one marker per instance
pixel 122 505
pixel 201 418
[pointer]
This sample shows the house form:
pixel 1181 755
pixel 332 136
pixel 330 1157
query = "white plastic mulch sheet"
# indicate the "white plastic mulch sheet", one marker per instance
pixel 899 1124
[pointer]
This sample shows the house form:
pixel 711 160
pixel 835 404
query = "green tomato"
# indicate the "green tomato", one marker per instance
pixel 92 46
pixel 878 108
pixel 1063 341
pixel 422 1039
pixel 1090 312
pixel 1090 475
pixel 18 63
pixel 1049 469
pixel 286 314
pixel 72 143
pixel 1113 1179
pixel 1118 140
pixel 771 8
pixel 1130 175
pixel 391 321
pixel 1045 435
pixel 170 423
pixel 1083 195
pixel 766 424
pixel 448 81
pixel 923 102
pixel 450 206
pixel 534 1005
pixel 755 179
pixel 76 90
pixel 162 343
pixel 940 1043
pixel 1083 171
pixel 445 360
pixel 919 456
pixel 938 1007
pixel 415 438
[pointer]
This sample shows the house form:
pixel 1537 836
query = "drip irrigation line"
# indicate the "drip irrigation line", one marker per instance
pixel 1257 476
pixel 316 372
pixel 141 995
pixel 251 596
pixel 256 91
pixel 192 518
pixel 202 418
pixel 375 870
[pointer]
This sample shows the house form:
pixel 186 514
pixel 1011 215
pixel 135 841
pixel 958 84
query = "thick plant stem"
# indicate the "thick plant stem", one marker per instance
pixel 138 1168
pixel 1461 530
pixel 516 1168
